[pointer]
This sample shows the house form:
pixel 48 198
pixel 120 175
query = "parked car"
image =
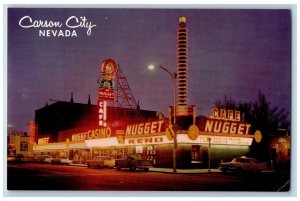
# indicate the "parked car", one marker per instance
pixel 101 161
pixel 42 158
pixel 61 161
pixel 11 159
pixel 48 159
pixel 133 163
pixel 55 160
pixel 25 158
pixel 243 164
pixel 65 161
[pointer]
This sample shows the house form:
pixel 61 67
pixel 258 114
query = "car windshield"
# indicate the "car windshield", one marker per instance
pixel 240 160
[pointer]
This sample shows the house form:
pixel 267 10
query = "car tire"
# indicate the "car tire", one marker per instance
pixel 118 167
pixel 224 170
pixel 238 170
pixel 132 168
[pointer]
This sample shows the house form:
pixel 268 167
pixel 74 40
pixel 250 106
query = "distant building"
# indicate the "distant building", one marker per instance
pixel 19 143
pixel 280 151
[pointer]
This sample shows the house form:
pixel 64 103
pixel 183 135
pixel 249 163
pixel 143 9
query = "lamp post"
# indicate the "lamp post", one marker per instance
pixel 173 77
pixel 209 145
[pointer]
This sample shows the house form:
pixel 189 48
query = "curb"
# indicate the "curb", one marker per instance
pixel 186 171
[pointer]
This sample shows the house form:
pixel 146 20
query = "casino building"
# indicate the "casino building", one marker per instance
pixel 69 129
pixel 83 131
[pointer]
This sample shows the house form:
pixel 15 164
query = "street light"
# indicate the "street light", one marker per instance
pixel 173 77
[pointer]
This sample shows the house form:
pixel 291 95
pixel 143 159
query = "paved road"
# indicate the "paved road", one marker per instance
pixel 58 177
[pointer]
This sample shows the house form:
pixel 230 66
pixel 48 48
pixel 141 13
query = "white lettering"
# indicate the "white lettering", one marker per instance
pixel 219 126
pixel 73 22
pixel 26 22
pixel 145 128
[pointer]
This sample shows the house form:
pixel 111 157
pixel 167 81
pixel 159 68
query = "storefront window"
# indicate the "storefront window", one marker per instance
pixel 151 153
pixel 24 146
pixel 195 153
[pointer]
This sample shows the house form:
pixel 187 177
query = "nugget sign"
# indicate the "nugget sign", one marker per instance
pixel 226 121
pixel 145 128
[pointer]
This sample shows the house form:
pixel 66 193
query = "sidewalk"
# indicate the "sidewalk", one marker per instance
pixel 170 170
pixel 184 171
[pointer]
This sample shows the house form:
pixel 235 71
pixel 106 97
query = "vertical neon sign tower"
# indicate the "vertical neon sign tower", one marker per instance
pixel 185 114
pixel 182 62
pixel 108 70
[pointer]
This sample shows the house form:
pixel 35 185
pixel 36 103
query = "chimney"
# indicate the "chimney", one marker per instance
pixel 89 101
pixel 72 100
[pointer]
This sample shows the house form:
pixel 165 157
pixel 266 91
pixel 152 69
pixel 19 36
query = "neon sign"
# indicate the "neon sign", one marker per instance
pixel 145 128
pixel 102 113
pixel 92 134
pixel 108 69
pixel 224 114
pixel 218 126
pixel 148 140
pixel 44 141
pixel 182 62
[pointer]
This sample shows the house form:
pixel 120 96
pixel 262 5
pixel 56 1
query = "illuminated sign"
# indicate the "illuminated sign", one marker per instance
pixel 102 113
pixel 42 141
pixel 145 128
pixel 108 69
pixel 184 110
pixel 216 140
pixel 146 140
pixel 92 134
pixel 106 94
pixel 182 64
pixel 224 114
pixel 219 126
pixel 226 140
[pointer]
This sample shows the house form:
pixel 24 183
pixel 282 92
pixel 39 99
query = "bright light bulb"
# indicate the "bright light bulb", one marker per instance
pixel 151 67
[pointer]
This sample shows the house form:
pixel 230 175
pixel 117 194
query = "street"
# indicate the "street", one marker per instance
pixel 31 176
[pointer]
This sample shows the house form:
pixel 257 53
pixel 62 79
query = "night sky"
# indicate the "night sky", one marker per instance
pixel 236 53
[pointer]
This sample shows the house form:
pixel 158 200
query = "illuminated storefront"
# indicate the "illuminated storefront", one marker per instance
pixel 150 140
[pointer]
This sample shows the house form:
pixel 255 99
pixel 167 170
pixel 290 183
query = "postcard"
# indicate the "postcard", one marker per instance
pixel 149 99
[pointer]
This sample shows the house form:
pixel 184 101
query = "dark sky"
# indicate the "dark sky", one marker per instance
pixel 230 52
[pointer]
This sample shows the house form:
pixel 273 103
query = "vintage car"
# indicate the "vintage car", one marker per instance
pixel 42 158
pixel 61 160
pixel 48 159
pixel 25 158
pixel 133 163
pixel 11 159
pixel 65 161
pixel 243 163
pixel 101 161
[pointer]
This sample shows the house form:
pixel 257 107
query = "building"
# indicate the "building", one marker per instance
pixel 19 143
pixel 71 129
